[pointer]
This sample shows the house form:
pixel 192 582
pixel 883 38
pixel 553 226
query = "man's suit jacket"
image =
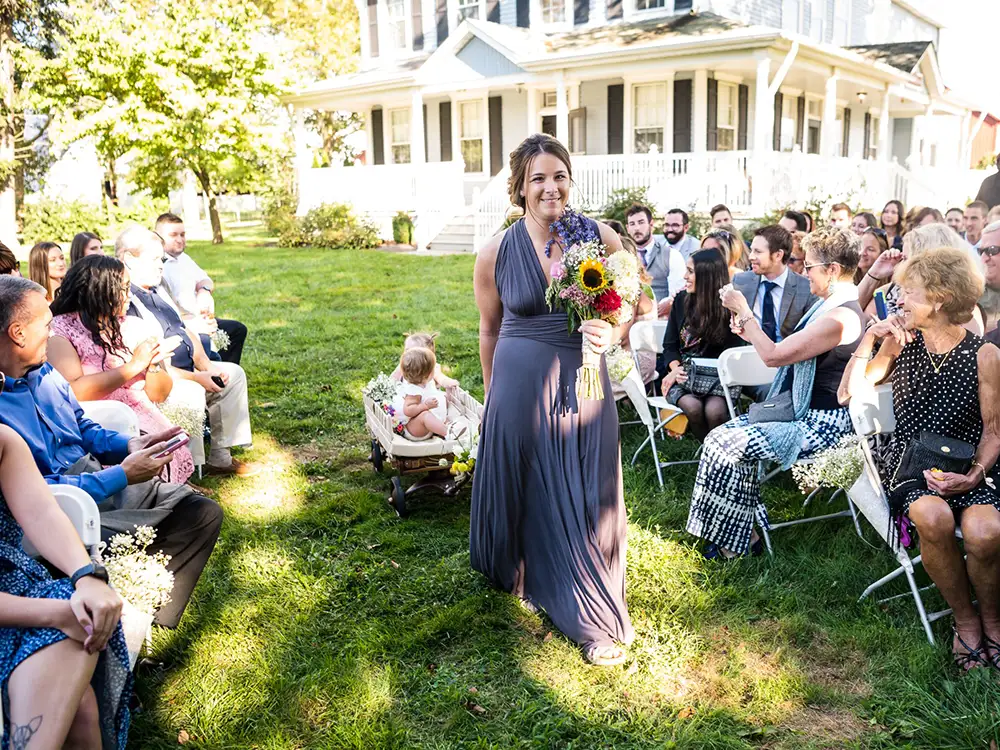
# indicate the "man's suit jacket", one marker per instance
pixel 664 264
pixel 796 298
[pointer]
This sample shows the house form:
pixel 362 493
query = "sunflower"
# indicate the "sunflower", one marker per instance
pixel 591 276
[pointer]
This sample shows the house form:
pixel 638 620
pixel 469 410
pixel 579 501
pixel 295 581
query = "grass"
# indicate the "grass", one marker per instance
pixel 323 621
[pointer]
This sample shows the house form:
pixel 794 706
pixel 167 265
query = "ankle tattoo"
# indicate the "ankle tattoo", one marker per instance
pixel 20 735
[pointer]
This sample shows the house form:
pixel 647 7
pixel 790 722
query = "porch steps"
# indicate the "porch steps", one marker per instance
pixel 458 236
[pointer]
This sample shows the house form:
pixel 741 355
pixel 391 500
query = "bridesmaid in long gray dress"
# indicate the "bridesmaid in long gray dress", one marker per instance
pixel 548 517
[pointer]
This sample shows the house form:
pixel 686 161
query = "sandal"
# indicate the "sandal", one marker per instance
pixel 604 656
pixel 973 658
pixel 992 651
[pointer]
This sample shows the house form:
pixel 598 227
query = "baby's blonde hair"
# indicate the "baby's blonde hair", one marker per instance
pixel 417 365
pixel 419 339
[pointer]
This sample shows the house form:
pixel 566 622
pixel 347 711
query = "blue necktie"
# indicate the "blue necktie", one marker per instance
pixel 768 322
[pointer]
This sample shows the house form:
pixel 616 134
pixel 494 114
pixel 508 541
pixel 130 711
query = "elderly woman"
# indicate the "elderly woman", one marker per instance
pixel 945 381
pixel 726 498
pixel 47 267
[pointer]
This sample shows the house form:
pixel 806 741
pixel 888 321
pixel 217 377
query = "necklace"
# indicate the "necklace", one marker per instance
pixel 939 365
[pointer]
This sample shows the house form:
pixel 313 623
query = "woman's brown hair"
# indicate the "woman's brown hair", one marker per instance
pixel 38 266
pixel 520 161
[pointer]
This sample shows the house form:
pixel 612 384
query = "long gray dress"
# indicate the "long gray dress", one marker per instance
pixel 548 517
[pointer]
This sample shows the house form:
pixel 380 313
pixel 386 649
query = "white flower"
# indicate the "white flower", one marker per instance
pixel 139 577
pixel 381 389
pixel 444 462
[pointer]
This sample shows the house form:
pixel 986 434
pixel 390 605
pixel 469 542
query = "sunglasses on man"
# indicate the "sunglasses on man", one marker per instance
pixel 992 250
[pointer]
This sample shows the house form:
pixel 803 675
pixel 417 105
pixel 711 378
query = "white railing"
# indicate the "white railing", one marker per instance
pixel 491 208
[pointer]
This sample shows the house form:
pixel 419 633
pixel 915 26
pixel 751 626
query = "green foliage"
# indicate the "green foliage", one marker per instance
pixel 331 225
pixel 59 220
pixel 700 223
pixel 402 229
pixel 619 200
pixel 279 217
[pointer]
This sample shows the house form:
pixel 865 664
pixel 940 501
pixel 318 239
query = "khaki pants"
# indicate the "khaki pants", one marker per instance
pixel 228 410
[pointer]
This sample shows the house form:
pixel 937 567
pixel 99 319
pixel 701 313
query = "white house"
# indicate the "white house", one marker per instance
pixel 752 103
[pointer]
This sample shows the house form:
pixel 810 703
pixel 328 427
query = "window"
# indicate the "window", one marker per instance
pixel 789 122
pixel 399 135
pixel 648 4
pixel 814 125
pixel 728 108
pixel 650 117
pixel 553 11
pixel 549 99
pixel 467 9
pixel 396 12
pixel 873 139
pixel 470 134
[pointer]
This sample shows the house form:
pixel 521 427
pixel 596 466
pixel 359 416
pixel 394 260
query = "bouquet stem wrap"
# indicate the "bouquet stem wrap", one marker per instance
pixel 588 377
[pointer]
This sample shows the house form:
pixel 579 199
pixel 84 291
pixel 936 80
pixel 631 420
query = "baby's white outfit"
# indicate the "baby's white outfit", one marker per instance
pixel 426 392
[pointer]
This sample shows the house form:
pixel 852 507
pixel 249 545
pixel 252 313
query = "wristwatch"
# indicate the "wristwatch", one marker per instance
pixel 96 570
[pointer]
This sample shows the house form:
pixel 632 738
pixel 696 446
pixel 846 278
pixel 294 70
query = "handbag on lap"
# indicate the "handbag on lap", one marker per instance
pixel 927 451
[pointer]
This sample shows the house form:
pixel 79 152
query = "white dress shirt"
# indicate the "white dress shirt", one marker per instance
pixel 675 277
pixel 686 245
pixel 776 294
pixel 181 275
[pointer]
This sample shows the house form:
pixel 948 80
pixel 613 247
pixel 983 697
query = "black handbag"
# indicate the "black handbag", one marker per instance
pixel 781 408
pixel 927 451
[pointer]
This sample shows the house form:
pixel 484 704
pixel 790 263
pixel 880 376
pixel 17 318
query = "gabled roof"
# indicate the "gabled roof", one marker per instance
pixel 904 56
pixel 689 26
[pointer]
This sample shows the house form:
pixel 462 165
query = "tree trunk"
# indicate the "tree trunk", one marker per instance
pixel 213 210
pixel 111 187
pixel 8 200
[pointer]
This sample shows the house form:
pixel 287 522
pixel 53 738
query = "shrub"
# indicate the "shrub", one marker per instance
pixel 59 220
pixel 280 219
pixel 335 225
pixel 619 201
pixel 402 229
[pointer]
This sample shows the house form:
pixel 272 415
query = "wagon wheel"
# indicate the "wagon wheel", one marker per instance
pixel 376 456
pixel 397 497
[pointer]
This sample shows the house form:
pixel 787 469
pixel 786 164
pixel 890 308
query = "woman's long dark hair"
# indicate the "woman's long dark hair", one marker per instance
pixel 708 319
pixel 79 245
pixel 93 288
pixel 898 229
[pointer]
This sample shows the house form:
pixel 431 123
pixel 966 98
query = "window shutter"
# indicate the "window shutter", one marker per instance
pixel 378 138
pixel 778 101
pixel 742 119
pixel 444 126
pixel 441 12
pixel 373 27
pixel 581 12
pixel 800 122
pixel 866 146
pixel 616 118
pixel 682 116
pixel 845 149
pixel 417 19
pixel 523 13
pixel 493 11
pixel 713 115
pixel 496 134
pixel 614 9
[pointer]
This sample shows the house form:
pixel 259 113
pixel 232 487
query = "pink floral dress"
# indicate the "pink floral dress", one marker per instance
pixel 132 394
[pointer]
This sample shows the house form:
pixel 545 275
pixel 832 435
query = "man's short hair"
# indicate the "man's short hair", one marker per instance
pixel 168 218
pixel 13 291
pixel 638 208
pixel 993 226
pixel 8 262
pixel 981 205
pixel 954 208
pixel 682 212
pixel 801 224
pixel 840 207
pixel 778 239
pixel 718 209
pixel 133 239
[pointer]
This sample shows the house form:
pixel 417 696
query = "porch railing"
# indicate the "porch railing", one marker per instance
pixel 491 208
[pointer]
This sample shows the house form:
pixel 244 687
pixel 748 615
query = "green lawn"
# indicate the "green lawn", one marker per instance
pixel 324 621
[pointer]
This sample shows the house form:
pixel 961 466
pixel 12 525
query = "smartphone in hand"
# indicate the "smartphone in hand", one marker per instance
pixel 881 310
pixel 174 444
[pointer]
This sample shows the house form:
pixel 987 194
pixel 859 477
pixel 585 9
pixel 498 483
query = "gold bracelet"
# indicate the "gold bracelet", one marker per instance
pixel 865 357
pixel 976 463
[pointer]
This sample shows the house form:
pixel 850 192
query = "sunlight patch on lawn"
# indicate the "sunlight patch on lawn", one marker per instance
pixel 276 491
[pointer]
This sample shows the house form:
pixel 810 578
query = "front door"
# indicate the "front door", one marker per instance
pixel 549 125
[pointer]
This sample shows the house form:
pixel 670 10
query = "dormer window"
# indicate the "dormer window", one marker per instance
pixel 396 19
pixel 649 4
pixel 553 11
pixel 468 9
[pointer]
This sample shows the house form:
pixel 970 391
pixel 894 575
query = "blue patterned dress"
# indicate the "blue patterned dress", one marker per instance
pixel 22 576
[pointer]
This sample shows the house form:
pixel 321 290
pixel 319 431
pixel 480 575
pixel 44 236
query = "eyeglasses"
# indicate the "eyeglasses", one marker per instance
pixel 673 226
pixel 992 250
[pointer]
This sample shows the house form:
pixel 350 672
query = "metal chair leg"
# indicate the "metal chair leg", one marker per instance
pixel 918 600
pixel 656 458
pixel 767 541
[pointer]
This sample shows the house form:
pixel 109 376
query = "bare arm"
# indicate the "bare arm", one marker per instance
pixel 158 385
pixel 862 374
pixel 822 336
pixel 613 242
pixel 91 387
pixel 490 306
pixel 201 360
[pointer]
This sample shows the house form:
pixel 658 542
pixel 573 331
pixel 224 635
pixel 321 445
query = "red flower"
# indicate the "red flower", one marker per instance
pixel 607 302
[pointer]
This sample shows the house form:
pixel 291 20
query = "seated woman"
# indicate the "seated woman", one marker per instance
pixel 946 381
pixel 863 221
pixel 874 242
pixel 84 244
pixel 47 267
pixel 106 355
pixel 726 498
pixel 58 643
pixel 698 327
pixel 727 241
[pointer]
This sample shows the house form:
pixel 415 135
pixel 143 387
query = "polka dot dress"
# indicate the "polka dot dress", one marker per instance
pixel 944 402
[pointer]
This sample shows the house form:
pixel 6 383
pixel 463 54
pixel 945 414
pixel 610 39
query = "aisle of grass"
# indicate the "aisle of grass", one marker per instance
pixel 326 622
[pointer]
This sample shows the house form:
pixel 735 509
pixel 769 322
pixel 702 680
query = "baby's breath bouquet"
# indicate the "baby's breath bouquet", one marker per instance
pixel 381 389
pixel 220 340
pixel 838 466
pixel 590 283
pixel 619 362
pixel 191 420
pixel 140 578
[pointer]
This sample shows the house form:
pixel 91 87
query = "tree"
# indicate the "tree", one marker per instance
pixel 181 85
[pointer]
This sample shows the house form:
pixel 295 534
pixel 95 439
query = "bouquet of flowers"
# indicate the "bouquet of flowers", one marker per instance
pixel 620 363
pixel 220 340
pixel 838 466
pixel 189 419
pixel 142 579
pixel 465 458
pixel 381 389
pixel 590 283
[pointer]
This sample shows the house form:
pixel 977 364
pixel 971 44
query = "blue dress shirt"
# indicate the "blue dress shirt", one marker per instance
pixel 42 409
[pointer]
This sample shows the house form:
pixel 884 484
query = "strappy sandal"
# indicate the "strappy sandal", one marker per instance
pixel 973 658
pixel 605 656
pixel 992 647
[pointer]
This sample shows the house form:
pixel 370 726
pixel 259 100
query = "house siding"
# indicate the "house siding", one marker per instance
pixel 515 121
pixel 485 60
pixel 906 27
pixel 594 96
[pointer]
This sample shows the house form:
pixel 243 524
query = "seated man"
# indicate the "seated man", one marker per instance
pixel 224 383
pixel 38 404
pixel 191 289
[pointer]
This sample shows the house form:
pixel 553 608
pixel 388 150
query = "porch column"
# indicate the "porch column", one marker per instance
pixel 668 123
pixel 532 93
pixel 562 111
pixel 926 129
pixel 828 128
pixel 763 137
pixel 884 149
pixel 699 134
pixel 302 162
pixel 417 153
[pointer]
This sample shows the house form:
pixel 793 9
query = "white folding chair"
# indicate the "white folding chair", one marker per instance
pixel 112 415
pixel 743 366
pixel 872 414
pixel 82 511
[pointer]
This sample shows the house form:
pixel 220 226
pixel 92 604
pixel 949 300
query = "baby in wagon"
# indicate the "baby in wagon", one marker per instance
pixel 426 341
pixel 422 408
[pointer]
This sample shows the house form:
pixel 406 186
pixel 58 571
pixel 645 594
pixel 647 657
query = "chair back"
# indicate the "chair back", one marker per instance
pixel 82 512
pixel 635 389
pixel 742 365
pixel 871 411
pixel 114 416
pixel 647 335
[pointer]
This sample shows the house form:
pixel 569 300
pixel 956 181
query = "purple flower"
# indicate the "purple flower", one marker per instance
pixel 557 271
pixel 575 294
pixel 572 229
